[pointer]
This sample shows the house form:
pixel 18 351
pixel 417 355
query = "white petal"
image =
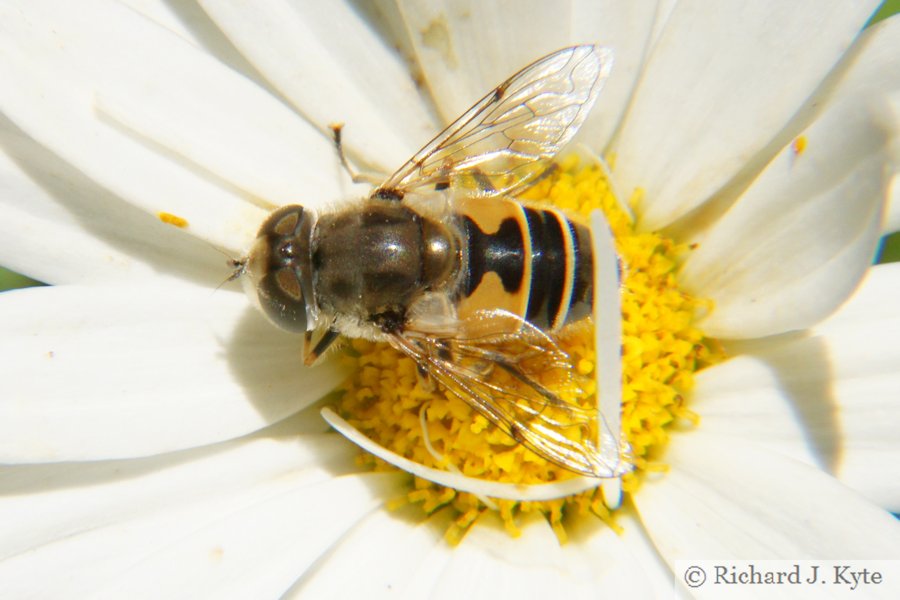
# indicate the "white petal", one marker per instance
pixel 892 220
pixel 724 498
pixel 828 399
pixel 797 243
pixel 239 132
pixel 189 21
pixel 385 553
pixel 718 86
pixel 166 14
pixel 611 564
pixel 795 246
pixel 626 28
pixel 106 372
pixel 228 541
pixel 768 270
pixel 490 563
pixel 232 129
pixel 421 581
pixel 260 551
pixel 663 12
pixel 414 563
pixel 41 504
pixel 607 349
pixel 873 300
pixel 58 226
pixel 59 57
pixel 466 48
pixel 330 64
pixel 88 522
pixel 384 17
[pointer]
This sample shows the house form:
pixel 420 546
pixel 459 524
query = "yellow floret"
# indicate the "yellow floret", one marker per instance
pixel 661 350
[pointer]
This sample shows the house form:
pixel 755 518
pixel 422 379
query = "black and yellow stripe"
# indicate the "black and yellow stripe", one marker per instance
pixel 533 262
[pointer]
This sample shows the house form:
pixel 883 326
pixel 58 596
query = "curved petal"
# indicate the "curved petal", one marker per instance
pixel 257 552
pixel 452 39
pixel 184 153
pixel 330 64
pixel 728 499
pixel 490 563
pixel 164 13
pixel 892 220
pixel 873 300
pixel 420 562
pixel 796 244
pixel 43 504
pixel 421 581
pixel 109 372
pixel 58 226
pixel 458 481
pixel 244 544
pixel 828 398
pixel 717 88
pixel 626 27
pixel 386 552
pixel 189 21
pixel 614 564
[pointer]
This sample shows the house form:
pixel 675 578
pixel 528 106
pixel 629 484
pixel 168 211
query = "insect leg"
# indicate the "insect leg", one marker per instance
pixel 313 352
pixel 336 129
pixel 483 181
pixel 424 378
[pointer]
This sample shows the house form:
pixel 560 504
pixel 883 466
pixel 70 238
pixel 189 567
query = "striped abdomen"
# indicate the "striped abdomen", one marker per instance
pixel 533 262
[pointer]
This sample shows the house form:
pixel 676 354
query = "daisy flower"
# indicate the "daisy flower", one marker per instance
pixel 160 438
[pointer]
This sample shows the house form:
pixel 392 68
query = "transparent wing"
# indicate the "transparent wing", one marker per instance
pixel 518 378
pixel 507 139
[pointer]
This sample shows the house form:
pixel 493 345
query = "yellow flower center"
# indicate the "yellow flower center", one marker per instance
pixel 388 401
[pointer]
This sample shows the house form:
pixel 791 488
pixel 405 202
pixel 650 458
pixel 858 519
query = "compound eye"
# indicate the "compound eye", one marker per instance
pixel 279 271
pixel 281 298
pixel 284 222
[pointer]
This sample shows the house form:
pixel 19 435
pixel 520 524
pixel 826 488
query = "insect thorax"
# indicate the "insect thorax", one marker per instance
pixel 372 262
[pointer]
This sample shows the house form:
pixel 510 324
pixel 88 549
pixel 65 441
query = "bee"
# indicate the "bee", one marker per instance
pixel 442 262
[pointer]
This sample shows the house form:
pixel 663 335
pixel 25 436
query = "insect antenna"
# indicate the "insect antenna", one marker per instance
pixel 238 266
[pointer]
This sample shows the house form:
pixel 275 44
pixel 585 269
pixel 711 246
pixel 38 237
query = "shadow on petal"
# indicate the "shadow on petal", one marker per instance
pixel 804 373
pixel 108 217
pixel 268 365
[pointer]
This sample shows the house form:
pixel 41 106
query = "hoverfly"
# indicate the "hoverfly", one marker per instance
pixel 442 263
